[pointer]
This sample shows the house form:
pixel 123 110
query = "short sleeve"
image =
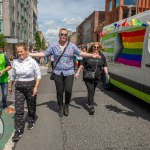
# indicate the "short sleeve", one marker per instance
pixel 76 49
pixel 105 63
pixel 48 51
pixel 13 72
pixel 37 69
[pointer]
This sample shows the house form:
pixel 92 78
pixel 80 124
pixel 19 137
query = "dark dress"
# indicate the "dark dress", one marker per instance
pixel 91 84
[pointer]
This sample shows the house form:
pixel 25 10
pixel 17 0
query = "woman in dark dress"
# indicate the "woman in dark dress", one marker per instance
pixel 93 65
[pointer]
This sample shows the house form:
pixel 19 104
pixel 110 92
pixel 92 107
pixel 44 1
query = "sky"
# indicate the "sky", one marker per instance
pixel 55 14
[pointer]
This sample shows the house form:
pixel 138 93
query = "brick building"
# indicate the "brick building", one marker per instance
pixel 120 9
pixel 73 38
pixel 86 31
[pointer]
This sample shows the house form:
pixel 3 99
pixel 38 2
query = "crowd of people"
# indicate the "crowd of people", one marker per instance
pixel 26 75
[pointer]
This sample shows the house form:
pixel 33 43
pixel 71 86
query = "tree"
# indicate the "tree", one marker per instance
pixel 37 41
pixel 3 41
pixel 43 46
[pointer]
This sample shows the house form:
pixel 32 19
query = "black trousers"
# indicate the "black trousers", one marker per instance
pixel 24 91
pixel 91 86
pixel 64 84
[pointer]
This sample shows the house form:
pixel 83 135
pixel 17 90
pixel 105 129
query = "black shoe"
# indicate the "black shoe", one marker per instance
pixel 5 106
pixel 60 111
pixel 30 124
pixel 17 135
pixel 66 110
pixel 91 110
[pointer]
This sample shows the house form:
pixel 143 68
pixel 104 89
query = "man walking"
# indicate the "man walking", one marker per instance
pixel 5 66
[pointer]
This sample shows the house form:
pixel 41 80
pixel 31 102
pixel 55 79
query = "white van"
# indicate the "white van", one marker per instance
pixel 128 54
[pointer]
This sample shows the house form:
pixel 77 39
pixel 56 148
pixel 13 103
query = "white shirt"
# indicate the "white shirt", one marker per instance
pixel 25 70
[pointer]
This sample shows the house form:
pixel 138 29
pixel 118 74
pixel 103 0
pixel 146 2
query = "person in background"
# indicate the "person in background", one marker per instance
pixel 84 48
pixel 97 65
pixel 64 71
pixel 78 59
pixel 26 73
pixel 52 61
pixel 11 59
pixel 5 66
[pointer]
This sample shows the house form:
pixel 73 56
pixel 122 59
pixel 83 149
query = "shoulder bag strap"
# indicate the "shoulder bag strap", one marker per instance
pixel 60 57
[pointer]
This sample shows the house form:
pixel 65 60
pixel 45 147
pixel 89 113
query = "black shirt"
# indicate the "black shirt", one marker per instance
pixel 91 64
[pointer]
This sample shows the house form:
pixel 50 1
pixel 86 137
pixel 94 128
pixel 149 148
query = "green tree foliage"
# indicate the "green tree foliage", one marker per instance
pixel 3 41
pixel 43 46
pixel 37 42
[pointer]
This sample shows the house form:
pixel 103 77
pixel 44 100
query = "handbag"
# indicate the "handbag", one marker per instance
pixel 90 74
pixel 52 74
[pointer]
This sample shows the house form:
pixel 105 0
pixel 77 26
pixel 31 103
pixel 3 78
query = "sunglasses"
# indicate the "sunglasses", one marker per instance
pixel 96 47
pixel 63 34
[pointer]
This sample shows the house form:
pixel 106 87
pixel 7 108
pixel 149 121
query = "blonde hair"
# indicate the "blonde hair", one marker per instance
pixel 101 48
pixel 63 29
pixel 25 47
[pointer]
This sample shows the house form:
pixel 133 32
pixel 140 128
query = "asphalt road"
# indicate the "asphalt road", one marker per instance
pixel 121 122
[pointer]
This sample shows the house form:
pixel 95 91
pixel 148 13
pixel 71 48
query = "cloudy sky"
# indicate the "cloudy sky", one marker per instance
pixel 55 14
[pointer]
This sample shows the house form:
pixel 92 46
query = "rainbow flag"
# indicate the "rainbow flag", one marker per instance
pixel 131 54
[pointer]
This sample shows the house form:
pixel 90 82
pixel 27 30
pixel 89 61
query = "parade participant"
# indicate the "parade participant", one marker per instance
pixel 64 70
pixel 26 73
pixel 93 66
pixel 52 61
pixel 5 66
pixel 84 48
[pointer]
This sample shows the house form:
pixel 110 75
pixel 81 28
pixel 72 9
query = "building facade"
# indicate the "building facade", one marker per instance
pixel 73 38
pixel 120 9
pixel 86 31
pixel 18 22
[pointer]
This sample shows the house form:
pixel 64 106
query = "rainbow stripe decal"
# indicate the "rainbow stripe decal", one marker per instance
pixel 131 54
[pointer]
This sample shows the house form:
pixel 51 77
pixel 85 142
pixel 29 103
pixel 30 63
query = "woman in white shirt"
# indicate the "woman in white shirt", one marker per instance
pixel 26 73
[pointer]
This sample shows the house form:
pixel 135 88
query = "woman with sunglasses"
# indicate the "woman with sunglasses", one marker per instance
pixel 97 66
pixel 64 70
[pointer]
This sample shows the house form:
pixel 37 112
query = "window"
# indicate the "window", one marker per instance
pixel 12 1
pixel 130 2
pixel 133 12
pixel 0 9
pixel 110 5
pixel 117 3
pixel 12 12
pixel 125 13
pixel 13 29
pixel 1 26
